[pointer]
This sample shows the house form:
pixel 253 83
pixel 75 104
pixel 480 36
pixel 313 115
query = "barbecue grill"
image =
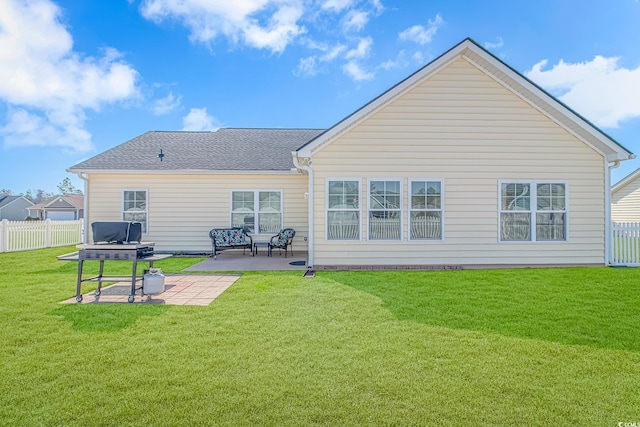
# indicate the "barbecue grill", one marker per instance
pixel 114 241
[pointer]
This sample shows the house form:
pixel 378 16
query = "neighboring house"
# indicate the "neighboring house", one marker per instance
pixel 14 208
pixel 464 163
pixel 58 208
pixel 625 198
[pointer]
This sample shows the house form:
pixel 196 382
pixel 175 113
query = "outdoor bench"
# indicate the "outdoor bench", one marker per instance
pixel 229 238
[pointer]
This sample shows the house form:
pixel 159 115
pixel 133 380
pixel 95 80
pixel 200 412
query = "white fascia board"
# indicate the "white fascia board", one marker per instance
pixel 433 67
pixel 609 148
pixel 179 172
pixel 616 151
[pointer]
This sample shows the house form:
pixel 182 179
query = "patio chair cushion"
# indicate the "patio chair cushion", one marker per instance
pixel 283 238
pixel 229 238
pixel 225 237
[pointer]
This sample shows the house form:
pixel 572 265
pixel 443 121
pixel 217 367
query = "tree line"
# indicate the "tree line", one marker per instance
pixel 65 187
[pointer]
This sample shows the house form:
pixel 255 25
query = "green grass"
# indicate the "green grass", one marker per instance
pixel 488 347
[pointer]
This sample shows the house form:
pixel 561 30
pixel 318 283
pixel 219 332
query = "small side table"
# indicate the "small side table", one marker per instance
pixel 261 243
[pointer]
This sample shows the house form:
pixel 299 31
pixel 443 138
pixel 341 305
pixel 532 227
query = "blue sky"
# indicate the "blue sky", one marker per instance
pixel 79 77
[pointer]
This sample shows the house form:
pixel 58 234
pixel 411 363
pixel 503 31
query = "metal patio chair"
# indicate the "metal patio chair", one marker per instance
pixel 282 240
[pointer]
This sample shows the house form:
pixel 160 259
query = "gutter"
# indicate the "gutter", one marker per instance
pixel 607 210
pixel 85 215
pixel 180 172
pixel 309 170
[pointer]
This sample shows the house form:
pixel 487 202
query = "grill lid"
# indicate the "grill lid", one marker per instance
pixel 116 232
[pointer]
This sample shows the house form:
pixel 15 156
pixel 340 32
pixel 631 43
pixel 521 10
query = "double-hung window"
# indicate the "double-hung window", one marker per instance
pixel 385 210
pixel 134 207
pixel 425 212
pixel 257 210
pixel 343 210
pixel 533 211
pixel 551 215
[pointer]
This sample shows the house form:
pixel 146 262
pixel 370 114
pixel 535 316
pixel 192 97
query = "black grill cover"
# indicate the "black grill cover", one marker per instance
pixel 116 232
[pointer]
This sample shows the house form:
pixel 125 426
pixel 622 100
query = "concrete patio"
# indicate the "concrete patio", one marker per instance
pixel 234 260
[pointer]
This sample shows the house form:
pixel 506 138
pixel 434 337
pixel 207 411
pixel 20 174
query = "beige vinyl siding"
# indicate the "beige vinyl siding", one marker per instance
pixel 625 202
pixel 183 208
pixel 467 129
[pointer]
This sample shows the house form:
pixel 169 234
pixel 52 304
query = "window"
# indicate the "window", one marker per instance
pixel 134 207
pixel 523 204
pixel 425 212
pixel 551 217
pixel 257 210
pixel 343 210
pixel 385 210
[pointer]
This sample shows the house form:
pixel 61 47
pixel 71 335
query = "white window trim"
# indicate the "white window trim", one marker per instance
pixel 533 204
pixel 256 204
pixel 122 212
pixel 441 210
pixel 401 210
pixel 327 210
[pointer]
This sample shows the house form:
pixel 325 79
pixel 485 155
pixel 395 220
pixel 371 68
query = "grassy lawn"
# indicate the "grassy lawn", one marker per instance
pixel 494 347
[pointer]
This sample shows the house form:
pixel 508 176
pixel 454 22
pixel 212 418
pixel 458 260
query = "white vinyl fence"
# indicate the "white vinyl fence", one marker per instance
pixel 26 235
pixel 626 243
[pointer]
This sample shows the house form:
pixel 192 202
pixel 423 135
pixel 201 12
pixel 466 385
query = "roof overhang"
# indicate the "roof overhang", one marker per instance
pixel 179 172
pixel 528 91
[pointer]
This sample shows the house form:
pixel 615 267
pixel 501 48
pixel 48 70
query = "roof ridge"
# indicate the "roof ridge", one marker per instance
pixel 274 128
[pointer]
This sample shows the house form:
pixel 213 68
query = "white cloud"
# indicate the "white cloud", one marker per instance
pixel 355 20
pixel 307 67
pixel 337 5
pixel 362 50
pixel 276 24
pixel 377 5
pixel 333 52
pixel 312 65
pixel 167 104
pixel 199 120
pixel 600 89
pixel 28 129
pixel 497 45
pixel 420 34
pixel 400 61
pixel 48 86
pixel 356 72
pixel 262 24
pixel 353 68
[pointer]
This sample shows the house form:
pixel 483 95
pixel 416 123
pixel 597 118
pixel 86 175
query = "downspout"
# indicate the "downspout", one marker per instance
pixel 85 214
pixel 607 209
pixel 309 171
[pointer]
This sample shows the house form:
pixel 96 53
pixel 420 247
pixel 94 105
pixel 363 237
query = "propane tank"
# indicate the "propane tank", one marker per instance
pixel 153 282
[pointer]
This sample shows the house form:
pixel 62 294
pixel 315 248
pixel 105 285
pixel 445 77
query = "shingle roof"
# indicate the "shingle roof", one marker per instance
pixel 5 200
pixel 75 200
pixel 227 149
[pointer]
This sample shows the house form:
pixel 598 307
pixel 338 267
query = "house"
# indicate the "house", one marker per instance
pixel 14 208
pixel 625 198
pixel 58 208
pixel 464 163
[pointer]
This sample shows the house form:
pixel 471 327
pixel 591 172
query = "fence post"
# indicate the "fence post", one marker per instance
pixel 4 235
pixel 81 231
pixel 47 233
